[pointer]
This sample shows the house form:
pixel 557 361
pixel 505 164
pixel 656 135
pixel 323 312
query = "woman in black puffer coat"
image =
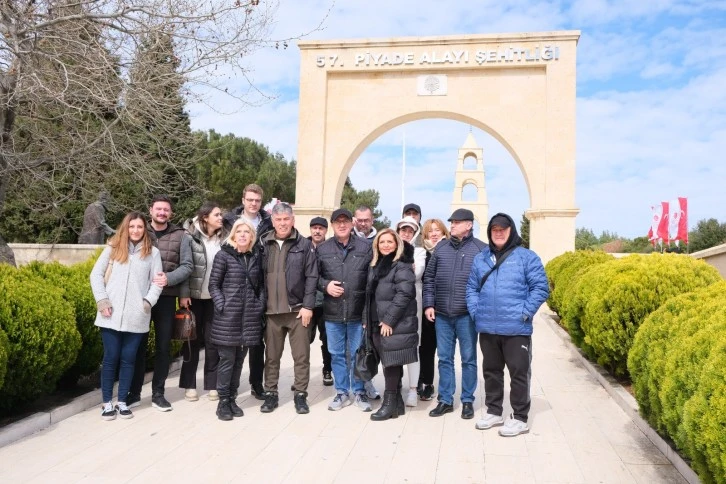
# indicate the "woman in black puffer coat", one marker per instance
pixel 237 289
pixel 390 315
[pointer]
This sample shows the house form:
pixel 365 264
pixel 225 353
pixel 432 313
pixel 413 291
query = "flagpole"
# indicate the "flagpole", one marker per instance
pixel 403 172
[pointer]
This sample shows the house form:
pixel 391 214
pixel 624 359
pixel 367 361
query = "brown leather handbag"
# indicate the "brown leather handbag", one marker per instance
pixel 185 326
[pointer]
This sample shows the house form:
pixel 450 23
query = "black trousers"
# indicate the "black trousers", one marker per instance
pixel 229 371
pixel 319 322
pixel 427 351
pixel 162 314
pixel 516 353
pixel 392 375
pixel 257 363
pixel 203 310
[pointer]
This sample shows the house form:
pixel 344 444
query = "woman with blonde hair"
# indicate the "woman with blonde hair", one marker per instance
pixel 432 232
pixel 390 315
pixel 122 285
pixel 238 291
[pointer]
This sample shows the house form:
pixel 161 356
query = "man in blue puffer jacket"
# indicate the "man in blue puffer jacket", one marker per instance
pixel 503 308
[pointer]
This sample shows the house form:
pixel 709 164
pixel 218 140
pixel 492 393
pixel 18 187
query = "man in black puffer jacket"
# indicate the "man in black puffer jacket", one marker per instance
pixel 343 268
pixel 444 302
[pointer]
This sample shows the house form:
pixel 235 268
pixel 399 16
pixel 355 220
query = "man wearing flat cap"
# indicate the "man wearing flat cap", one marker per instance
pixel 343 262
pixel 444 302
pixel 506 287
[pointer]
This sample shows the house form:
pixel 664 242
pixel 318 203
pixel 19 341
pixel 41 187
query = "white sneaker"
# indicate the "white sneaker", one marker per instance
pixel 361 401
pixel 489 421
pixel 411 398
pixel 513 427
pixel 213 395
pixel 341 400
pixel 190 394
pixel 371 391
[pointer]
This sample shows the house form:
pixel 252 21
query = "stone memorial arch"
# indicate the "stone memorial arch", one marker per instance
pixel 519 88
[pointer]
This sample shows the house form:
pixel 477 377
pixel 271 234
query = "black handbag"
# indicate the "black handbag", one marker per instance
pixel 366 359
pixel 185 326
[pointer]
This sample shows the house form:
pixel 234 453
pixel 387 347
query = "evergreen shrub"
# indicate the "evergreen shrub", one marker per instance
pixel 74 281
pixel 564 270
pixel 41 329
pixel 613 298
pixel 677 366
pixel 4 351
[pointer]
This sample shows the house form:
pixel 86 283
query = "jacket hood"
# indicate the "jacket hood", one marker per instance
pixel 514 239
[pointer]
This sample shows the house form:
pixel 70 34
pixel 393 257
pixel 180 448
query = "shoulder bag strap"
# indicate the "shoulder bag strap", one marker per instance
pixel 499 262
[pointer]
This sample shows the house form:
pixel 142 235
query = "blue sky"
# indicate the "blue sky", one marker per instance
pixel 651 104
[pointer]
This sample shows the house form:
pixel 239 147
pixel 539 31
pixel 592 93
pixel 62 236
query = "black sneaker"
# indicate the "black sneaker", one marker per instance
pixel 271 402
pixel 160 403
pixel 123 411
pixel 426 393
pixel 257 391
pixel 236 411
pixel 301 405
pixel 133 400
pixel 327 378
pixel 108 412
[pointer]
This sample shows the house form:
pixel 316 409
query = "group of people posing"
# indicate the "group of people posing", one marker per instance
pixel 253 281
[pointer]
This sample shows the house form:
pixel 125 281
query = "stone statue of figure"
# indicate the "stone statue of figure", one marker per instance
pixel 95 228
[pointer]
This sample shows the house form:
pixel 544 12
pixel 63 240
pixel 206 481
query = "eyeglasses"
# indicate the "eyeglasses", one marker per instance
pixel 253 200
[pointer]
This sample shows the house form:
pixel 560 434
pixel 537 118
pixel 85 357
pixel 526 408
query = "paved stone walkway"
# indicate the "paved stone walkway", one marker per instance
pixel 578 434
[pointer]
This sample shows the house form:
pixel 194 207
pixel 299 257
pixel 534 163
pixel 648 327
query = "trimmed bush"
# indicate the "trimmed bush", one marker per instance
pixel 41 330
pixel 4 352
pixel 660 331
pixel 680 387
pixel 74 281
pixel 564 270
pixel 704 419
pixel 613 299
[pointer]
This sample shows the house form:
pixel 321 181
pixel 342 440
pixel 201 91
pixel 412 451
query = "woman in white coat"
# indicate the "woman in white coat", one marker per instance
pixel 122 281
pixel 407 228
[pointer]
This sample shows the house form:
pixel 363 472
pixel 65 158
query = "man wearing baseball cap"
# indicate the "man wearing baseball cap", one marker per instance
pixel 444 302
pixel 318 231
pixel 506 287
pixel 414 211
pixel 343 262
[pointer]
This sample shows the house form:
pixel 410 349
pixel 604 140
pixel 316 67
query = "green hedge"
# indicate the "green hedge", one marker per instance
pixel 74 281
pixel 610 300
pixel 41 329
pixel 4 352
pixel 678 366
pixel 564 270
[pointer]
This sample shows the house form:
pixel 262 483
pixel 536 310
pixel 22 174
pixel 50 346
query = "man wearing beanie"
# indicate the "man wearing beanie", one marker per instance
pixel 444 302
pixel 506 287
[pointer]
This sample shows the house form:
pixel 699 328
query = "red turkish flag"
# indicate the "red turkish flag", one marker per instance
pixel 659 223
pixel 683 220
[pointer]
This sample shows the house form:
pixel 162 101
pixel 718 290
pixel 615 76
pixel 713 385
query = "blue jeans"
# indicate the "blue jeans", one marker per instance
pixel 118 347
pixel 448 330
pixel 343 341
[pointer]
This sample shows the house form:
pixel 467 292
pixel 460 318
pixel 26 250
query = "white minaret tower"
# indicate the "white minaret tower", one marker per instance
pixel 472 176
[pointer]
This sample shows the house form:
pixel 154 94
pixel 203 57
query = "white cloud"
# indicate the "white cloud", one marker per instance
pixel 651 111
